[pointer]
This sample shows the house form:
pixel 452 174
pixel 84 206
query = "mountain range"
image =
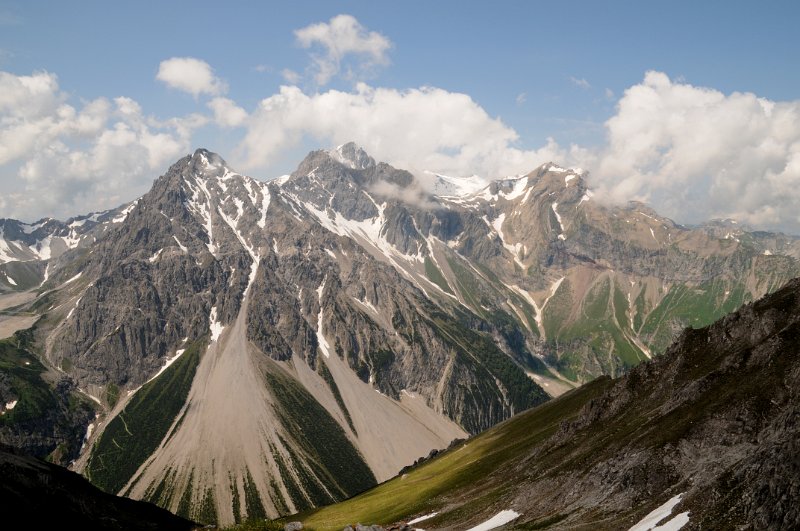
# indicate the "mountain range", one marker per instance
pixel 706 436
pixel 229 348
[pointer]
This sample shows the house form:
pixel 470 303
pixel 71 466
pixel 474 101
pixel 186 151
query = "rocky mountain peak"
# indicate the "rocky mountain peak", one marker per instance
pixel 323 181
pixel 552 174
pixel 352 155
pixel 207 163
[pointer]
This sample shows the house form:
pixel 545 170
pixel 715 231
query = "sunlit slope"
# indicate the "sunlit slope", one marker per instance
pixel 472 472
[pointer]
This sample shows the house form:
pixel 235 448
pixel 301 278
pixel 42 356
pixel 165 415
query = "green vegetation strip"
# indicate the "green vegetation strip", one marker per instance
pixel 136 432
pixel 23 371
pixel 435 276
pixel 328 377
pixel 323 441
pixel 468 466
pixel 522 391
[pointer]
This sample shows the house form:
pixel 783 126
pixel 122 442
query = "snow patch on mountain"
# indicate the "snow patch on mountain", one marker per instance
pixel 446 186
pixel 167 363
pixel 648 523
pixel 5 250
pixel 88 435
pixel 501 518
pixel 73 279
pixel 561 236
pixel 497 227
pixel 233 224
pixel 370 230
pixel 518 188
pixel 123 215
pixel 182 247
pixel 42 248
pixel 540 310
pixel 422 518
pixel 33 227
pixel 324 346
pixel 215 326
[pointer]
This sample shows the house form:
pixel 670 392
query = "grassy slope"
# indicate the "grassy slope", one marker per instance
pixel 133 434
pixel 24 373
pixel 423 489
pixel 52 421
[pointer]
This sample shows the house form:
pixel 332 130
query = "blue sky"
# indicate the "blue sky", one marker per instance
pixel 542 79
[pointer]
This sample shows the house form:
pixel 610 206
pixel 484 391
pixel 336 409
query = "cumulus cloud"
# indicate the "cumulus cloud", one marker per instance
pixel 190 75
pixel 227 113
pixel 691 152
pixel 417 129
pixel 343 36
pixel 71 160
pixel 695 153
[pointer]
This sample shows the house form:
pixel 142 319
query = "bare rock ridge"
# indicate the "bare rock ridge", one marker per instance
pixel 338 324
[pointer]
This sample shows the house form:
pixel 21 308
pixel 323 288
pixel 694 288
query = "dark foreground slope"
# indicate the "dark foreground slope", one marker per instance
pixel 37 495
pixel 716 420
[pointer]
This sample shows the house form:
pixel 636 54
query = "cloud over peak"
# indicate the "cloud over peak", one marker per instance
pixel 73 159
pixel 691 152
pixel 696 153
pixel 416 129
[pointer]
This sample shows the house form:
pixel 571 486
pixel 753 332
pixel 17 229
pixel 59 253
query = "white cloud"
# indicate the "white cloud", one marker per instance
pixel 691 152
pixel 522 97
pixel 290 76
pixel 227 113
pixel 609 94
pixel 417 129
pixel 580 82
pixel 343 36
pixel 696 153
pixel 59 160
pixel 190 75
pixel 28 96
